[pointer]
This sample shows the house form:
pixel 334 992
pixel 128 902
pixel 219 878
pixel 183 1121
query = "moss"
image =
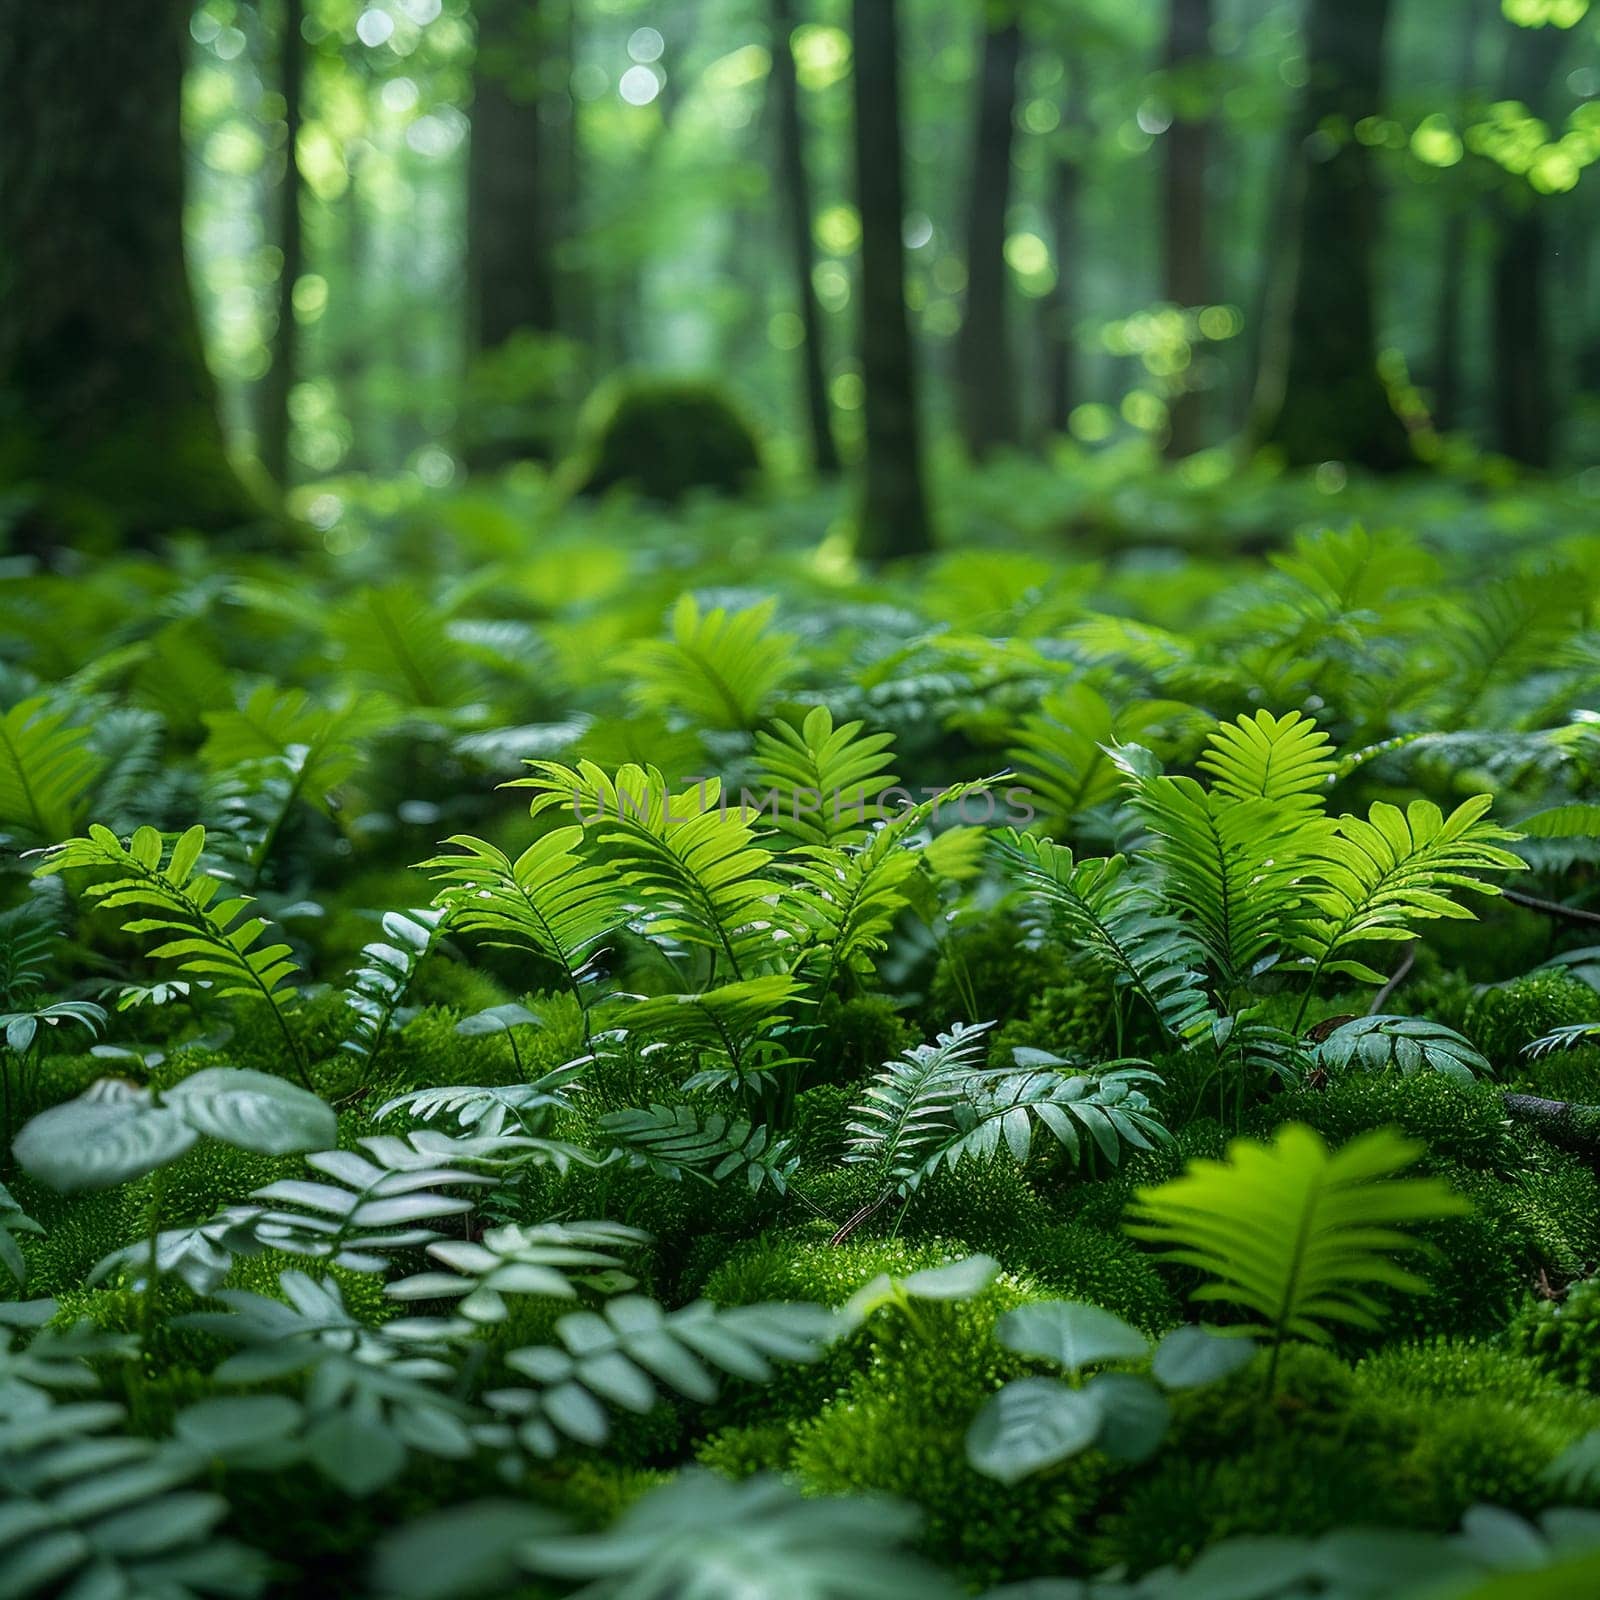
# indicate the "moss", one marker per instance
pixel 1067 1018
pixel 1458 1124
pixel 1562 1336
pixel 1501 1021
pixel 1571 1075
pixel 820 1126
pixel 1457 1368
pixel 1078 1262
pixel 1483 1450
pixel 742 1452
pixel 900 1429
pixel 858 1035
pixel 664 438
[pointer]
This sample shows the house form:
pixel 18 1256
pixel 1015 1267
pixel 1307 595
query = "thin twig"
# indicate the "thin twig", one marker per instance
pixel 1401 973
pixel 1551 908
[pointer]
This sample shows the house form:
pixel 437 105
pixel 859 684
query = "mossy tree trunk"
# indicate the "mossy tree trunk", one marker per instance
pixel 108 421
pixel 796 200
pixel 1186 267
pixel 282 374
pixel 894 511
pixel 985 369
pixel 1321 397
pixel 1524 390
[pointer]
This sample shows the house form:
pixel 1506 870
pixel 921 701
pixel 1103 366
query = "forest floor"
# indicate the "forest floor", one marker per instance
pixel 637 1035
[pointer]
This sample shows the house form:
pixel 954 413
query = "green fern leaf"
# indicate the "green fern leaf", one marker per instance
pixel 47 768
pixel 826 779
pixel 1299 1237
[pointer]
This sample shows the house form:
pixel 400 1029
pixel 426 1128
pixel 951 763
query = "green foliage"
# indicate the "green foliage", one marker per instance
pixel 208 940
pixel 1506 1020
pixel 47 769
pixel 1296 1235
pixel 1560 1334
pixel 665 438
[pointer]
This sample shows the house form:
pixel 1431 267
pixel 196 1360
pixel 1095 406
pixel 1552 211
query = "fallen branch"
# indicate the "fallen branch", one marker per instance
pixel 1551 908
pixel 1563 1123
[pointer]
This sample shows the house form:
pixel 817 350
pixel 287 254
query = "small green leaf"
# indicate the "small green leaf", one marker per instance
pixel 1029 1425
pixel 1070 1334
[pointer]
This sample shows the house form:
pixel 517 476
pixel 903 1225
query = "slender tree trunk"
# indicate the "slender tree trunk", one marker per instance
pixel 1060 307
pixel 511 280
pixel 796 186
pixel 108 418
pixel 1321 396
pixel 1449 332
pixel 1525 406
pixel 985 369
pixel 281 376
pixel 894 512
pixel 1186 260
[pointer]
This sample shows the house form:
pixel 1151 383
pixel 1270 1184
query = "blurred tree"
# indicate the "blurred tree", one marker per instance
pixel 280 380
pixel 985 368
pixel 1186 268
pixel 108 420
pixel 511 279
pixel 1524 389
pixel 796 200
pixel 1058 309
pixel 1320 396
pixel 894 511
pixel 1449 333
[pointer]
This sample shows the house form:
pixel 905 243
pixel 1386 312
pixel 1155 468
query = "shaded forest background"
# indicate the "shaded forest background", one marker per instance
pixel 253 247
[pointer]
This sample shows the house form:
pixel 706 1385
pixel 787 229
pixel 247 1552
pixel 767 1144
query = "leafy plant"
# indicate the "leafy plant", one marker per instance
pixel 1404 1045
pixel 207 938
pixel 1298 1236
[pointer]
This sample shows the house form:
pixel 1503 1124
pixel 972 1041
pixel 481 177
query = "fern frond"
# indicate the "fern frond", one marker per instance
pixel 1567 1037
pixel 718 669
pixel 378 987
pixel 827 779
pixel 672 1140
pixel 693 858
pixel 47 768
pixel 1298 1236
pixel 90 1511
pixel 910 1103
pixel 28 936
pixel 1287 760
pixel 368 1203
pixel 210 939
pixel 1375 876
pixel 396 641
pixel 1115 924
pixel 736 1022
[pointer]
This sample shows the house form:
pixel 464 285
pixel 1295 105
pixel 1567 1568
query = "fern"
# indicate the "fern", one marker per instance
pixel 717 669
pixel 396 641
pixel 209 940
pixel 734 1023
pixel 89 1511
pixel 826 779
pixel 1115 924
pixel 549 900
pixel 1297 1236
pixel 368 1203
pixel 1374 877
pixel 14 1220
pixel 672 1140
pixel 47 768
pixel 693 859
pixel 1567 1037
pixel 377 989
pixel 943 1104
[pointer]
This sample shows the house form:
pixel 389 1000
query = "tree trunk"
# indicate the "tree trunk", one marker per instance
pixel 894 512
pixel 1449 334
pixel 1321 397
pixel 108 418
pixel 985 370
pixel 281 376
pixel 1060 307
pixel 510 276
pixel 1186 263
pixel 796 187
pixel 1525 407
